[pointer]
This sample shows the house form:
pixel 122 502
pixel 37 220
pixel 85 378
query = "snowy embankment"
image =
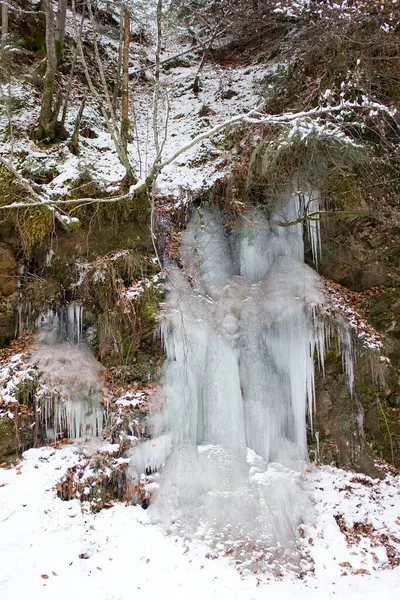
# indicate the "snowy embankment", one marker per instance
pixel 50 548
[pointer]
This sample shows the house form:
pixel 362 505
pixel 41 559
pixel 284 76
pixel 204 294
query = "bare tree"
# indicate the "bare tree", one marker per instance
pixel 74 143
pixel 103 97
pixel 51 103
pixel 125 123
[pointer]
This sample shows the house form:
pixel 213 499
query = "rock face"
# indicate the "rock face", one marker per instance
pixel 360 254
pixel 339 423
pixel 8 287
pixel 363 256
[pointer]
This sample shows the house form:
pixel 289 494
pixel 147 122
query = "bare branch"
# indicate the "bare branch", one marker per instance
pixel 316 216
pixel 125 123
pixel 22 181
pixel 119 65
pixel 73 67
pixel 22 11
pixel 38 200
pixel 254 117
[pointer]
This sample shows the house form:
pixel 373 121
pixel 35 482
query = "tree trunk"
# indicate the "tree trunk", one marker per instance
pixel 60 27
pixel 4 19
pixel 74 144
pixel 118 76
pixel 125 123
pixel 72 72
pixel 47 118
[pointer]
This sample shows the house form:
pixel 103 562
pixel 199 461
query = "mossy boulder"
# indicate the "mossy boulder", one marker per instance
pixel 355 428
pixel 8 267
pixel 339 422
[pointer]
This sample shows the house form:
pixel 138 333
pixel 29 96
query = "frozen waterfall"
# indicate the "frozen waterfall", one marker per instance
pixel 240 331
pixel 73 377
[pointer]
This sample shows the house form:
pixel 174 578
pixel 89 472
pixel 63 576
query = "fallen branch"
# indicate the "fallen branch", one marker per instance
pixel 316 216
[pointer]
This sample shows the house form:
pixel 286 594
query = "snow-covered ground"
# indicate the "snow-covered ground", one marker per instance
pixel 51 549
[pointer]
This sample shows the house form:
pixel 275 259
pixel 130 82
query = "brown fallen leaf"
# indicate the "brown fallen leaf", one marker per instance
pixel 147 560
pixel 44 576
pixel 99 568
pixel 345 564
pixel 54 573
pixel 361 572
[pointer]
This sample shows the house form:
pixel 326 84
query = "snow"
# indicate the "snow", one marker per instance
pixel 13 372
pixel 123 555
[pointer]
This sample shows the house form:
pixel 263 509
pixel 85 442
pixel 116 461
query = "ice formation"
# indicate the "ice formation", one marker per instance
pixel 240 329
pixel 71 401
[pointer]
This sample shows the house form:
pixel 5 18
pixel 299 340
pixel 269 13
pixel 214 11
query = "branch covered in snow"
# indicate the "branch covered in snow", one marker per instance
pixel 254 117
pixel 43 201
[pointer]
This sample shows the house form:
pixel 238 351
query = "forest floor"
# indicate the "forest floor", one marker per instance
pixel 53 548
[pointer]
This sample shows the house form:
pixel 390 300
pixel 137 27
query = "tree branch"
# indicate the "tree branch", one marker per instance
pixel 39 200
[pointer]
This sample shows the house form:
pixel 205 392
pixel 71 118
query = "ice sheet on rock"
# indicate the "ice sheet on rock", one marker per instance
pixel 206 252
pixel 312 205
pixel 63 324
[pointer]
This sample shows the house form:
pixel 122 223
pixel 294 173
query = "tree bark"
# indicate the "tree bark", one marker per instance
pixel 4 19
pixel 60 27
pixel 48 117
pixel 74 144
pixel 118 76
pixel 125 123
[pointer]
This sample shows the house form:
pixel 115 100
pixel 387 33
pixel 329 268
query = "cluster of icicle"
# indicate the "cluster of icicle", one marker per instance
pixel 70 402
pixel 240 328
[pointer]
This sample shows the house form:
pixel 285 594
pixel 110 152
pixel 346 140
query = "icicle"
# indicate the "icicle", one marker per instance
pixel 49 257
pixel 317 440
pixel 347 351
pixel 312 204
